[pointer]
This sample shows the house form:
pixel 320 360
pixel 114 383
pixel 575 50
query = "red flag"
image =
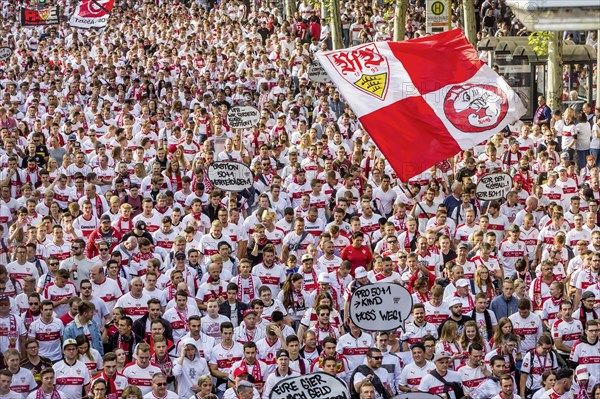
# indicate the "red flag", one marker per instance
pixel 423 100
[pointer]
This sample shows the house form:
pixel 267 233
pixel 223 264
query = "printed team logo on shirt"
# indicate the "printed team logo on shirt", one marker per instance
pixel 365 68
pixel 475 108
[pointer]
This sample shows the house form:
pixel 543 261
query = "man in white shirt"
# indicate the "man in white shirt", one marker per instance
pixel 72 375
pixel 159 388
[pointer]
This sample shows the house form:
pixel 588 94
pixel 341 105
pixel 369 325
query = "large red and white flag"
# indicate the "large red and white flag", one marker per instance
pixel 91 14
pixel 422 100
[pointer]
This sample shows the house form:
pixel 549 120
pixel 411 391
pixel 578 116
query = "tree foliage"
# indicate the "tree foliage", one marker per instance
pixel 539 40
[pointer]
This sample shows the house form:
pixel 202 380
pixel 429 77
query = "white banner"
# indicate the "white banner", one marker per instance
pixel 91 14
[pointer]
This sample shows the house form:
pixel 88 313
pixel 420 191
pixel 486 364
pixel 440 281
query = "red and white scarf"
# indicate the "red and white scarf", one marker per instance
pixel 256 371
pixel 240 292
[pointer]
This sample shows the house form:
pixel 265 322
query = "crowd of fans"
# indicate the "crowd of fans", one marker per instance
pixel 125 274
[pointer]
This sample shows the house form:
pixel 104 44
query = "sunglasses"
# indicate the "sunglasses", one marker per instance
pixel 53 264
pixel 161 384
pixel 377 357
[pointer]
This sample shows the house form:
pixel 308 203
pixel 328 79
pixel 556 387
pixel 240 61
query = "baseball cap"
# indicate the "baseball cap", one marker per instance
pixel 250 311
pixel 324 278
pixel 282 353
pixel 582 373
pixel 4 298
pixel 240 372
pixel 69 341
pixel 179 255
pixel 463 245
pixel 454 301
pixel 140 225
pixel 104 217
pixel 588 295
pixel 514 228
pixel 463 282
pixel 307 257
pixel 440 355
pixel 360 272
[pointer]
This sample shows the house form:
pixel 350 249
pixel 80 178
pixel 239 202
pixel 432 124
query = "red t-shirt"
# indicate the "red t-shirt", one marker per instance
pixel 357 257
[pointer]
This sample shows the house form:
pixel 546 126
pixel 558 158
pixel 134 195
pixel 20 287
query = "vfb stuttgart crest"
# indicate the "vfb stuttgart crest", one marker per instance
pixel 364 67
pixel 475 108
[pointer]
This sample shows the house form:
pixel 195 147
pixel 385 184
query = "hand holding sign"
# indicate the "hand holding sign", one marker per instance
pixel 317 74
pixel 380 307
pixel 310 386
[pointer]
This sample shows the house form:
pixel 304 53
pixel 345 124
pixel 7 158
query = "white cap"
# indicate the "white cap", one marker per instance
pixel 360 272
pixel 582 373
pixel 463 282
pixel 324 278
pixel 454 301
pixel 69 341
pixel 440 355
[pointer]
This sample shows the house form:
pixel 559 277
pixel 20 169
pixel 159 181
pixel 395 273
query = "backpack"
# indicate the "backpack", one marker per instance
pixel 366 371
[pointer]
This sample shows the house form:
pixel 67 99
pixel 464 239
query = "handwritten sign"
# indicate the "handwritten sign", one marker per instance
pixel 380 306
pixel 310 386
pixel 493 186
pixel 230 176
pixel 417 395
pixel 5 54
pixel 317 74
pixel 243 117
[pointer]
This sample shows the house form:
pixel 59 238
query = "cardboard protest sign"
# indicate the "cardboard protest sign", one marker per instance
pixel 5 54
pixel 380 306
pixel 417 395
pixel 493 186
pixel 230 176
pixel 243 117
pixel 317 74
pixel 310 386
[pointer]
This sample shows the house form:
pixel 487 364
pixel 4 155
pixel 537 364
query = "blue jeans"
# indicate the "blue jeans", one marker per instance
pixel 581 158
pixel 596 153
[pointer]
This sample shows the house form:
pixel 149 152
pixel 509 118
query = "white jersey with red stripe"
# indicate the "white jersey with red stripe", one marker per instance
pixel 471 377
pixel 498 225
pixel 355 349
pixel 54 293
pixel 297 190
pixel 86 225
pixel 164 240
pixel 574 235
pixel 134 307
pixel 71 379
pixel 209 245
pixel 209 290
pixel 48 336
pixel 464 231
pixel 153 222
pixel 529 238
pixel 62 252
pixel 273 277
pixel 436 315
pixel 550 310
pixel 569 189
pixel 587 354
pixel 491 263
pixel 554 194
pixel 108 291
pixel 266 353
pixel 19 272
pixel 432 385
pixel 168 395
pixel 236 235
pixel 275 237
pixel 412 374
pixel 369 225
pixel 23 382
pixel 529 329
pixel 141 377
pixel 535 365
pixel 508 254
pixel 568 332
pixel 414 333
pixel 178 320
